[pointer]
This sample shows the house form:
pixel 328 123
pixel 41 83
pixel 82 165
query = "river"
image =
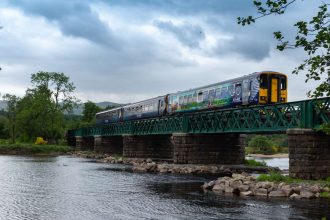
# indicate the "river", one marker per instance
pixel 74 188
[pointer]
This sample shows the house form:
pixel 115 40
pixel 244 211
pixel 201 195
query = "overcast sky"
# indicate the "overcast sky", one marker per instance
pixel 129 50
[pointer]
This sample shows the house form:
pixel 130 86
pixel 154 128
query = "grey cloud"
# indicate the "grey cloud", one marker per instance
pixel 249 48
pixel 188 34
pixel 74 18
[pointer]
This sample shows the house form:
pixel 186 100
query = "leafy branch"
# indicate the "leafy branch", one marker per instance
pixel 312 36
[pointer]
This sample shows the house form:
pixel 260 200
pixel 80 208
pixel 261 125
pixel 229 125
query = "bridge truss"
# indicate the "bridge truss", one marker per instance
pixel 274 118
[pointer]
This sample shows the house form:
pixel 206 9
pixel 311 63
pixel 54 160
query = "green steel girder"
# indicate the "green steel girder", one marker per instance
pixel 266 118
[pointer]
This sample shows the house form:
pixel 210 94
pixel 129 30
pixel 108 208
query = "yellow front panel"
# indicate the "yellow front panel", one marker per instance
pixel 274 90
pixel 263 96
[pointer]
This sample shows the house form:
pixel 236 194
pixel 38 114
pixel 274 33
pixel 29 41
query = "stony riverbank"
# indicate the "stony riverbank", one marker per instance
pixel 147 165
pixel 247 185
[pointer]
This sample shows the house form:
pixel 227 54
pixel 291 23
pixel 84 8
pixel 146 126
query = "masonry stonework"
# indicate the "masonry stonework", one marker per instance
pixel 156 147
pixel 208 148
pixel 84 143
pixel 309 154
pixel 108 145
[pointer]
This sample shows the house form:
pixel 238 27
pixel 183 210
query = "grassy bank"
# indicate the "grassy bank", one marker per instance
pixel 277 177
pixel 32 149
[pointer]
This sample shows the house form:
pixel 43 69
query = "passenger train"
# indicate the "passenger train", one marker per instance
pixel 258 88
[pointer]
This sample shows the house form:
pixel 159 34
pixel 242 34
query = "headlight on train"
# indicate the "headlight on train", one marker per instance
pixel 282 99
pixel 263 98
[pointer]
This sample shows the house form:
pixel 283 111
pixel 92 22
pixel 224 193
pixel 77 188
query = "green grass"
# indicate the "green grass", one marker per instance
pixel 277 177
pixel 25 148
pixel 325 195
pixel 254 163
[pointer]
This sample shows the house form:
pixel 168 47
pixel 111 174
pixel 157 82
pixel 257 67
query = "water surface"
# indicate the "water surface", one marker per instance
pixel 75 188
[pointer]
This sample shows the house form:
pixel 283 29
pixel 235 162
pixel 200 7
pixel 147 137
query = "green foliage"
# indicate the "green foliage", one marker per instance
pixel 21 148
pixel 90 109
pixel 261 144
pixel 254 163
pixel 274 177
pixel 41 110
pixel 325 128
pixel 313 37
pixel 277 177
pixel 12 110
pixel 325 195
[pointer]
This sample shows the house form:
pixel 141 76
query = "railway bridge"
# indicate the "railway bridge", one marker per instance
pixel 218 136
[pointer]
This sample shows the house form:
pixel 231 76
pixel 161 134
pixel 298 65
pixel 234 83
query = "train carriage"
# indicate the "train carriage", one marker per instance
pixel 265 87
pixel 256 88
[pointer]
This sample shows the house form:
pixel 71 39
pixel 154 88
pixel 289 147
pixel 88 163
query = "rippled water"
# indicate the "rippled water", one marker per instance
pixel 74 188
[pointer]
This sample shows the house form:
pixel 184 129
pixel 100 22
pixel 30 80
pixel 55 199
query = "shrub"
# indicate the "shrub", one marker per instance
pixel 273 177
pixel 40 141
pixel 255 163
pixel 261 144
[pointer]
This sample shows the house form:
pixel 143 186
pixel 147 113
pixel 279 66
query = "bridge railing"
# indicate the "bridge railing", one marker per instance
pixel 266 118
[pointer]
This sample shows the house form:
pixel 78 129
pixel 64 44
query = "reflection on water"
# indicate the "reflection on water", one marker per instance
pixel 73 188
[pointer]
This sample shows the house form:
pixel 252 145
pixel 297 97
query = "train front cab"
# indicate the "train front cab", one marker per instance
pixel 273 88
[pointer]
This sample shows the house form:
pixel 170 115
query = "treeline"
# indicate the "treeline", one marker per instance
pixel 267 144
pixel 44 110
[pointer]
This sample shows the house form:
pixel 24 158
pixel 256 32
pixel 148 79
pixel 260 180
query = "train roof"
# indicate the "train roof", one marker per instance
pixel 132 104
pixel 144 101
pixel 228 81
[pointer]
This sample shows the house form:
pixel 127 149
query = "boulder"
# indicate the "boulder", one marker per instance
pixel 277 193
pixel 247 193
pixel 314 189
pixel 261 192
pixel 306 194
pixel 219 188
pixel 295 196
pixel 228 189
pixel 287 190
pixel 243 188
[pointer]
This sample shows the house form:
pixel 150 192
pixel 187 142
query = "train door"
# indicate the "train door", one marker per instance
pixel 246 92
pixel 161 107
pixel 274 90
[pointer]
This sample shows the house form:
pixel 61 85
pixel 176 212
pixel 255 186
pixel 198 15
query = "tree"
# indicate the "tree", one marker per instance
pixel 90 109
pixel 41 110
pixel 261 144
pixel 312 36
pixel 12 109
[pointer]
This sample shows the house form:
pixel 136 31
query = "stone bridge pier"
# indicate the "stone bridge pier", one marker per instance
pixel 208 148
pixel 84 143
pixel 156 147
pixel 309 154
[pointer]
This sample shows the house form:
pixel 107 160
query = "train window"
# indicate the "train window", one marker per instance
pixel 217 93
pixel 223 93
pixel 212 94
pixel 283 83
pixel 264 81
pixel 205 95
pixel 185 99
pixel 189 98
pixel 231 90
pixel 200 96
pixel 194 97
pixel 181 100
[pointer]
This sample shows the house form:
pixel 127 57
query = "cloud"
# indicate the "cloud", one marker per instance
pixel 188 34
pixel 74 18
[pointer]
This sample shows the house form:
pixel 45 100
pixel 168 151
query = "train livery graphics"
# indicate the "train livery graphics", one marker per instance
pixel 255 89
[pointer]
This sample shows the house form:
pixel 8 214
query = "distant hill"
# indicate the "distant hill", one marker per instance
pixel 76 111
pixel 80 109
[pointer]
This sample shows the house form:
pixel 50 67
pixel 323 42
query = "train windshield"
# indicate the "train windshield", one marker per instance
pixel 264 81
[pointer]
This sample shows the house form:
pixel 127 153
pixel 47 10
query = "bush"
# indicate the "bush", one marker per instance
pixel 40 141
pixel 273 177
pixel 261 144
pixel 255 163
